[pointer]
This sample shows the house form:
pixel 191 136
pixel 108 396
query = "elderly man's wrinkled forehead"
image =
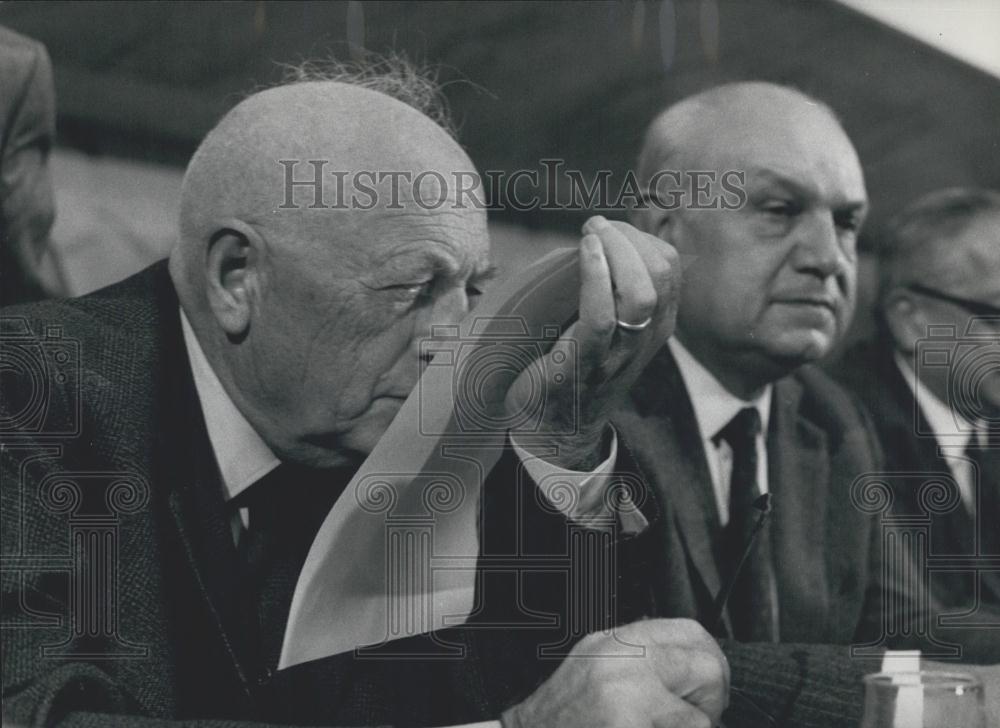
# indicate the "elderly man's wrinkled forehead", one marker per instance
pixel 309 160
pixel 411 236
pixel 375 206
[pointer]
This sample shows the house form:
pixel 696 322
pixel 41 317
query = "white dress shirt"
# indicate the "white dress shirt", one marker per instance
pixel 242 456
pixel 714 406
pixel 941 419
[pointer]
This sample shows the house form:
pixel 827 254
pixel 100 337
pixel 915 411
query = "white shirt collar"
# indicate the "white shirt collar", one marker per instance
pixel 714 405
pixel 243 457
pixel 940 416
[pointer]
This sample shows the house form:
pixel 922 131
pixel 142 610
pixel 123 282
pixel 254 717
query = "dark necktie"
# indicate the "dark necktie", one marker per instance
pixel 984 452
pixel 286 508
pixel 752 607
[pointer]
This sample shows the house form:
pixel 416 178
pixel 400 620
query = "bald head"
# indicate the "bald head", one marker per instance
pixel 742 117
pixel 237 175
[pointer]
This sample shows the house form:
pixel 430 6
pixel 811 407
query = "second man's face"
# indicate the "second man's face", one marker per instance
pixel 772 282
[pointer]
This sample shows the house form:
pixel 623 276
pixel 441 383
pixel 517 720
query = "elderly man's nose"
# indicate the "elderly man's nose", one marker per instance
pixel 447 310
pixel 451 307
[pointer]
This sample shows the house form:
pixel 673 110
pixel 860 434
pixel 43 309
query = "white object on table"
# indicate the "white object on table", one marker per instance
pixel 904 667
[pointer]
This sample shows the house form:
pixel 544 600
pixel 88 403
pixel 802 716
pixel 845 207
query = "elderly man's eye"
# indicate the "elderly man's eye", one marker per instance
pixel 410 290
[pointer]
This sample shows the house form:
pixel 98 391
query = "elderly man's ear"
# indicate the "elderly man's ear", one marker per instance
pixel 906 321
pixel 233 277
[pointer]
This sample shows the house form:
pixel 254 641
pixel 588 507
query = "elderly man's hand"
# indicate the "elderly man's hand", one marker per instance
pixel 681 680
pixel 625 276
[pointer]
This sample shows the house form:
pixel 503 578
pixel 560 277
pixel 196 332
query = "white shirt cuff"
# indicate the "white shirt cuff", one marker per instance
pixel 582 497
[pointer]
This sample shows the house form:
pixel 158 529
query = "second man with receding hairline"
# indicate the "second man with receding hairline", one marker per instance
pixel 731 412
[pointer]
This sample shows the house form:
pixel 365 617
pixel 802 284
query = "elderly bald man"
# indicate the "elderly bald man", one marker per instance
pixel 932 380
pixel 731 408
pixel 197 421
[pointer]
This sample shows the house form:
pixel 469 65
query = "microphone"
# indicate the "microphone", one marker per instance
pixel 763 505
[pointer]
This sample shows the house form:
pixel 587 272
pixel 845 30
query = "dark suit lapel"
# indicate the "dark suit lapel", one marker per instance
pixel 143 644
pixel 202 530
pixel 798 478
pixel 670 451
pixel 899 419
pixel 198 512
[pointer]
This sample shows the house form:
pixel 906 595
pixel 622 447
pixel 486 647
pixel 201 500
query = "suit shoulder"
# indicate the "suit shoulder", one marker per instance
pixel 19 49
pixel 852 439
pixel 87 373
pixel 829 404
pixel 864 369
pixel 23 61
pixel 88 354
pixel 132 303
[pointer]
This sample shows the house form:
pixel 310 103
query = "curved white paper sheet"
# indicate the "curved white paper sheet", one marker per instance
pixel 396 556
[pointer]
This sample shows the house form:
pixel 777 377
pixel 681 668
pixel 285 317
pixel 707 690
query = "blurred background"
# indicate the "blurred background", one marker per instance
pixel 915 82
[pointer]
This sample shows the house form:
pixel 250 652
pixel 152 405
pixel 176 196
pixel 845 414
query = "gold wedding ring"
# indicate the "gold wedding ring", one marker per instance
pixel 634 327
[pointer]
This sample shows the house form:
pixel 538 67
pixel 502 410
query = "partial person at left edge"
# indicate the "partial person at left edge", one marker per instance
pixel 27 208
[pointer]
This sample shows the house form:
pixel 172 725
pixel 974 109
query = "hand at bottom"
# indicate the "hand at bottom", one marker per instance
pixel 681 681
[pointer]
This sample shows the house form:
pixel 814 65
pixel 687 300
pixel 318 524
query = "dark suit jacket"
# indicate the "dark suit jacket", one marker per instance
pixel 913 460
pixel 826 550
pixel 117 590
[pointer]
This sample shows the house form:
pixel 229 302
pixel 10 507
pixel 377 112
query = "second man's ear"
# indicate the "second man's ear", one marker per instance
pixel 232 278
pixel 905 320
